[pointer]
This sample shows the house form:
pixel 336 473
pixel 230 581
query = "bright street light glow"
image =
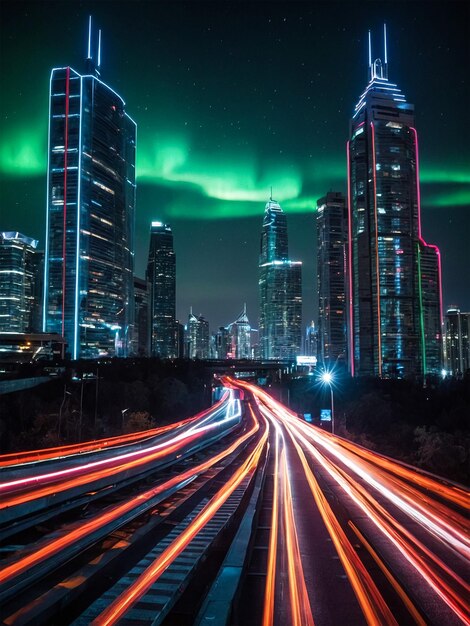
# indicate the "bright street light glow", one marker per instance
pixel 327 377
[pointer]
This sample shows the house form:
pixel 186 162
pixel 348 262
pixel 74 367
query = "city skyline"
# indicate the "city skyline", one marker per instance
pixel 179 179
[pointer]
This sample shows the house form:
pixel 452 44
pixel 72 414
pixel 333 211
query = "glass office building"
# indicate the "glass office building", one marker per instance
pixel 141 337
pixel 197 337
pixel 394 281
pixel 240 337
pixel 89 255
pixel 332 233
pixel 457 341
pixel 280 289
pixel 19 290
pixel 161 276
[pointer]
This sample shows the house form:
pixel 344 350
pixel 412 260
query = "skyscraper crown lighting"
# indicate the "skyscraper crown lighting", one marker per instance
pixel 89 252
pixel 394 282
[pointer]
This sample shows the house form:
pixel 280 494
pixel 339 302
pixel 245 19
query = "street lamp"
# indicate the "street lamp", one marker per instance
pixel 327 378
pixel 123 412
pixel 66 393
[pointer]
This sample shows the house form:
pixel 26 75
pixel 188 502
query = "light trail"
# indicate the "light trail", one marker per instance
pixel 411 525
pixel 373 606
pixel 61 452
pixel 433 517
pixel 301 613
pixel 134 592
pixel 453 493
pixel 270 587
pixel 391 579
pixel 118 464
pixel 53 547
pixel 427 516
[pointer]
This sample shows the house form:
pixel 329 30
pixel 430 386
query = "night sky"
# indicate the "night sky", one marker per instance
pixel 231 98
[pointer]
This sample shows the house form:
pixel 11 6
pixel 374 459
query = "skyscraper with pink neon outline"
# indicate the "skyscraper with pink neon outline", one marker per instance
pixel 394 281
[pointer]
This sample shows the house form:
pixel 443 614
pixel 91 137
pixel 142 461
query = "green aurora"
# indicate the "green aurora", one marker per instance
pixel 233 185
pixel 232 100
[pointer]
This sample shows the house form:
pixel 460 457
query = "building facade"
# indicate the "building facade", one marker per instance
pixel 89 255
pixel 457 341
pixel 311 340
pixel 280 290
pixel 240 337
pixel 222 343
pixel 20 262
pixel 141 317
pixel 197 337
pixel 394 277
pixel 161 275
pixel 332 233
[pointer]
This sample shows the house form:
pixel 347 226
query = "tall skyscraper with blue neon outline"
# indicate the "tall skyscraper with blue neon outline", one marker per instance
pixel 394 281
pixel 89 253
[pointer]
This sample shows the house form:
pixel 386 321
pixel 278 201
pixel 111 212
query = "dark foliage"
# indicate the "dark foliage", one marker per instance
pixel 89 400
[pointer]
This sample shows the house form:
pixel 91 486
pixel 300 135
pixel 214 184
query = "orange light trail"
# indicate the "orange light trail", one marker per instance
pixel 56 545
pixel 301 613
pixel 117 464
pixel 376 611
pixel 391 579
pixel 453 493
pixel 135 591
pixel 425 563
pixel 387 478
pixel 268 611
pixel 32 456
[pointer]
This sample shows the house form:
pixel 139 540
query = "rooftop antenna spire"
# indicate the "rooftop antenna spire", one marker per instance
pixel 271 196
pixel 385 52
pixel 244 308
pixel 89 37
pixel 370 56
pixel 99 47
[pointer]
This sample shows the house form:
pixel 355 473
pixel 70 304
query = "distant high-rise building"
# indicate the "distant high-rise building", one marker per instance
pixel 280 289
pixel 240 337
pixel 274 241
pixel 222 343
pixel 161 275
pixel 89 255
pixel 179 334
pixel 141 317
pixel 311 340
pixel 457 341
pixel 394 276
pixel 197 337
pixel 19 290
pixel 332 232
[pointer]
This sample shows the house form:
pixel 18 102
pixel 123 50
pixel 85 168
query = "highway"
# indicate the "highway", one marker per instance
pixel 243 515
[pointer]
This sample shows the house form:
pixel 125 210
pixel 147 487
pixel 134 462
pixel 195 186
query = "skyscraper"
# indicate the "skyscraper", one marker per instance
pixel 394 311
pixel 89 256
pixel 240 337
pixel 19 297
pixel 141 317
pixel 197 337
pixel 311 340
pixel 457 341
pixel 280 289
pixel 332 232
pixel 222 343
pixel 161 275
